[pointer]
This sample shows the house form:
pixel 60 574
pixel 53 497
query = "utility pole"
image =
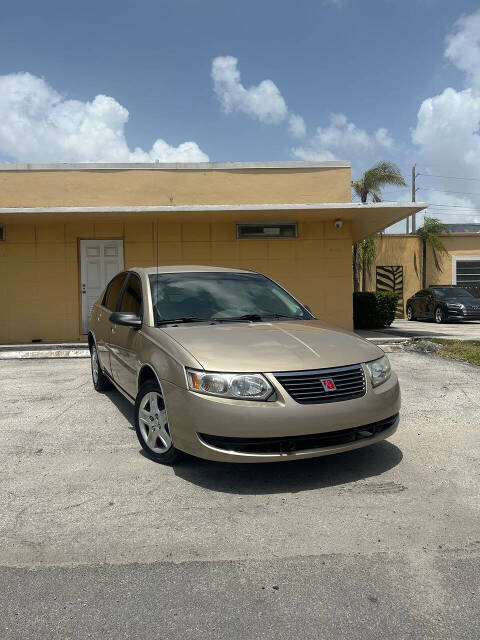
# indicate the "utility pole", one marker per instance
pixel 414 191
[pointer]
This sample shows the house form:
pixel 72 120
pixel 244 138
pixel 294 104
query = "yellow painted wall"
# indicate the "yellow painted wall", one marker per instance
pixel 163 187
pixel 406 250
pixel 40 279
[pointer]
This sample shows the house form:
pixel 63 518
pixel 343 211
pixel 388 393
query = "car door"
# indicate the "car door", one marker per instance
pixel 420 303
pixel 124 359
pixel 110 303
pixel 430 303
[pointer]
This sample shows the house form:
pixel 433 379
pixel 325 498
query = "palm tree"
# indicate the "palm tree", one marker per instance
pixel 374 179
pixel 430 236
pixel 370 184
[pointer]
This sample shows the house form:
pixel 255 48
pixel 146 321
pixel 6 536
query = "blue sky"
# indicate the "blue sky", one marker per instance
pixel 374 62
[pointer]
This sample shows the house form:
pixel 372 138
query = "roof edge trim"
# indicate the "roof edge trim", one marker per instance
pixel 339 206
pixel 168 166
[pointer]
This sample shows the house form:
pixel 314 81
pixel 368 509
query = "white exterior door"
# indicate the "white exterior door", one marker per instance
pixel 100 260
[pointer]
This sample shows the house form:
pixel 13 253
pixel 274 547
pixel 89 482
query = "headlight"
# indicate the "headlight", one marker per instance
pixel 453 305
pixel 380 370
pixel 242 386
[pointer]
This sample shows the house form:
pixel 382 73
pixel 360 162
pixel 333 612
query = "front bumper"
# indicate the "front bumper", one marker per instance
pixel 463 314
pixel 198 423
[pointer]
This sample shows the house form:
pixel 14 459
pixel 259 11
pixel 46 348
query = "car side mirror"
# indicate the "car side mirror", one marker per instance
pixel 126 319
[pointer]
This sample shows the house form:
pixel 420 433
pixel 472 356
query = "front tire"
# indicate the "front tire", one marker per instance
pixel 410 314
pixel 151 425
pixel 100 381
pixel 440 317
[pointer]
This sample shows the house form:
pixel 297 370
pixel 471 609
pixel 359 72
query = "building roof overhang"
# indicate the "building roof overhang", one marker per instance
pixel 365 218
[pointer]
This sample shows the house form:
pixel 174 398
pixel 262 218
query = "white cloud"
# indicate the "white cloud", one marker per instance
pixel 463 47
pixel 341 140
pixel 262 102
pixel 37 124
pixel 447 133
pixel 297 126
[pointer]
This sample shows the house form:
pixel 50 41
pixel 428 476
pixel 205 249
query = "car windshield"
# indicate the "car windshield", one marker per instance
pixel 220 296
pixel 452 292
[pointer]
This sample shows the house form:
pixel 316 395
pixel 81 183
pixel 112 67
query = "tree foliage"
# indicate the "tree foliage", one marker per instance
pixel 374 179
pixel 371 184
pixel 430 234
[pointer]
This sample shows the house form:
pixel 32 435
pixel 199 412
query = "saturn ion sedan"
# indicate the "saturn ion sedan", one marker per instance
pixel 226 365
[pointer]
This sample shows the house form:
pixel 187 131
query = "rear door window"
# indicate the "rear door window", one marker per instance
pixel 132 296
pixel 113 292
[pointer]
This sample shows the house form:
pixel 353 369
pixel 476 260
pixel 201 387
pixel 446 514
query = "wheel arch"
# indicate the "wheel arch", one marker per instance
pixel 91 341
pixel 146 373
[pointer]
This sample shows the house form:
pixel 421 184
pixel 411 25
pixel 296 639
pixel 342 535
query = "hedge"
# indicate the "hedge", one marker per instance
pixel 374 309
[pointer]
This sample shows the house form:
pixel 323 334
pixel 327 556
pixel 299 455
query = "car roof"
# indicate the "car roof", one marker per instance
pixel 186 268
pixel 445 286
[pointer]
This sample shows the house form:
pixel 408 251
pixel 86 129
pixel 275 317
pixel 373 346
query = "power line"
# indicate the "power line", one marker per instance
pixel 451 215
pixel 465 193
pixel 452 206
pixel 431 175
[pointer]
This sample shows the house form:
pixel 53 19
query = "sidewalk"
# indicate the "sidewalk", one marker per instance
pixel 44 350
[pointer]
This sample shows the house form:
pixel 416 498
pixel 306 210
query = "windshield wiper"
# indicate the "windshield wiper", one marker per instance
pixel 253 317
pixel 181 320
pixel 281 315
pixel 257 317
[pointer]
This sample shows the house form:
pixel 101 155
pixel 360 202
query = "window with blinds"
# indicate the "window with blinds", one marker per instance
pixel 262 230
pixel 468 272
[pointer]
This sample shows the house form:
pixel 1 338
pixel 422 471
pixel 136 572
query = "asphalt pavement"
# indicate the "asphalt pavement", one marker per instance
pixel 97 541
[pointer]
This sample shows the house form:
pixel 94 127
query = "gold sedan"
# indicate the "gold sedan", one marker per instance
pixel 226 365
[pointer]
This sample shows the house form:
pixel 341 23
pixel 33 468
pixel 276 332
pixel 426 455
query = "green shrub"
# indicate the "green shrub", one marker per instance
pixel 374 309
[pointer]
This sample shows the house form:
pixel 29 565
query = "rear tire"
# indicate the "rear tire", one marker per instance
pixel 410 314
pixel 100 380
pixel 440 317
pixel 151 425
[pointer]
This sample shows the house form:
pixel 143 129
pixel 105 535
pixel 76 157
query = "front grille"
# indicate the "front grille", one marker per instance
pixel 289 444
pixel 306 387
pixel 472 312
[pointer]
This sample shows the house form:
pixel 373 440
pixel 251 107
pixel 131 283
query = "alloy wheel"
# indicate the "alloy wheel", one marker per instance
pixel 439 315
pixel 153 422
pixel 94 359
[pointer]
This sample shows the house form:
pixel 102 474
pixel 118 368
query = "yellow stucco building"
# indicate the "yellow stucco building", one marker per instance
pixel 66 229
pixel 399 261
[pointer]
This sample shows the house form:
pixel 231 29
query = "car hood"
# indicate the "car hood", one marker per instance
pixel 272 346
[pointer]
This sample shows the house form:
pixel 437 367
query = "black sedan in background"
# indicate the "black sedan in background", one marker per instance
pixel 442 304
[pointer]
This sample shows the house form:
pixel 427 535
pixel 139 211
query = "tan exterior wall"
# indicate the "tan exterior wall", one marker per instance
pixel 40 272
pixel 406 250
pixel 164 187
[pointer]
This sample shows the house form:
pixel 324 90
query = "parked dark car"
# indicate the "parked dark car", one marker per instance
pixel 443 303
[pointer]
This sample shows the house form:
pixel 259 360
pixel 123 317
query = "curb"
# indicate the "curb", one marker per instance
pixel 399 340
pixel 42 354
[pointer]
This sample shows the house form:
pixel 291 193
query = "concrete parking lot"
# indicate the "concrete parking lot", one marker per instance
pixel 423 329
pixel 98 541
